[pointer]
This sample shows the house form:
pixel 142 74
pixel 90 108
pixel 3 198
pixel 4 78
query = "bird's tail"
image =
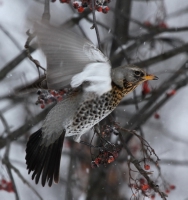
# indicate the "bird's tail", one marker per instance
pixel 44 160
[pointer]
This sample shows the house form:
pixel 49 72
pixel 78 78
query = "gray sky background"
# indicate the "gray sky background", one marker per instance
pixel 168 135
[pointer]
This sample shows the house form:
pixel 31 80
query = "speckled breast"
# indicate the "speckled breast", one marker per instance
pixel 92 111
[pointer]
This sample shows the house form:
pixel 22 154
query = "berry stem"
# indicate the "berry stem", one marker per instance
pixel 46 14
pixel 95 24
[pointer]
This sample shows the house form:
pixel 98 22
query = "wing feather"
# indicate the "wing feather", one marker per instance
pixel 67 54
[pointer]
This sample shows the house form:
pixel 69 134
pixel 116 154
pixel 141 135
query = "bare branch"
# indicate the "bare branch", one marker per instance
pixel 9 165
pixel 23 129
pixel 13 64
pixel 95 24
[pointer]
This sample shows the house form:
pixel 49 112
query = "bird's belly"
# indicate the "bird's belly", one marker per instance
pixel 84 125
pixel 88 114
pixel 77 114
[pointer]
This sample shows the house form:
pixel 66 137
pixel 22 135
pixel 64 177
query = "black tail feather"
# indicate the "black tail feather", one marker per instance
pixel 43 160
pixel 48 172
pixel 47 167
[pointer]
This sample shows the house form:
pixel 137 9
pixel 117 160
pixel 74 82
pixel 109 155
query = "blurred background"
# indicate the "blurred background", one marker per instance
pixel 149 33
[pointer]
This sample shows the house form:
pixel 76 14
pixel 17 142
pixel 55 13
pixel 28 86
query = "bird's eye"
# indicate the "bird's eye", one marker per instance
pixel 137 73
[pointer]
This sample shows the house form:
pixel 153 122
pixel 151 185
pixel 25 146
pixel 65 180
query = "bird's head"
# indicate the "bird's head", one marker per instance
pixel 130 75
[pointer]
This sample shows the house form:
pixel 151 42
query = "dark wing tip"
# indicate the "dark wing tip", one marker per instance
pixel 43 160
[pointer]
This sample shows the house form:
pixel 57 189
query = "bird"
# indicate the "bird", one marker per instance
pixel 97 89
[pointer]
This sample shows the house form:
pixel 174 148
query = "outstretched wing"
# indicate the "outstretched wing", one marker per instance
pixel 69 54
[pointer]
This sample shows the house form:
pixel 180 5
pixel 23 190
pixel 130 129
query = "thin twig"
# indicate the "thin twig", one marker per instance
pixel 27 47
pixel 95 24
pixel 113 35
pixel 24 128
pixel 136 163
pixel 6 156
pixel 69 194
pixel 5 160
pixel 11 38
pixel 13 64
pixel 8 163
pixel 46 14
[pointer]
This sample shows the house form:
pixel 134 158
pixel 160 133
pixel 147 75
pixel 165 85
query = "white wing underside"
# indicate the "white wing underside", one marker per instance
pixel 98 76
pixel 72 59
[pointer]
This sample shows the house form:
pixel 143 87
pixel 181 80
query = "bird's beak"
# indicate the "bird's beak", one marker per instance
pixel 150 77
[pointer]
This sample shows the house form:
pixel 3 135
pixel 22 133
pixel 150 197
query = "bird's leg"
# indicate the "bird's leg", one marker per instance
pixel 97 130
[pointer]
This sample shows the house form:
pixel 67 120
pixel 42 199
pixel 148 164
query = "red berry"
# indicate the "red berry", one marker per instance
pixel 172 187
pixel 52 92
pixel 59 98
pixel 142 181
pixel 163 25
pixel 9 187
pixel 145 88
pixel 157 116
pixel 55 93
pixel 42 106
pixel 144 187
pixel 97 161
pixel 80 9
pixel 105 9
pixel 115 154
pixel 75 5
pixel 153 196
pixel 167 191
pixel 3 181
pixel 110 159
pixel 99 8
pixel 61 92
pixel 147 23
pixel 171 93
pixel 146 167
pixel 64 1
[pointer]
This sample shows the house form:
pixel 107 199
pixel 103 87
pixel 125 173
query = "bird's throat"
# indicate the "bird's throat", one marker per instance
pixel 118 93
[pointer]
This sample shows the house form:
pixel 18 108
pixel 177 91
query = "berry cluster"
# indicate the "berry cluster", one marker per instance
pixel 158 25
pixel 169 188
pixel 81 5
pixel 105 157
pixel 6 185
pixel 51 96
pixel 167 191
pixel 141 184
